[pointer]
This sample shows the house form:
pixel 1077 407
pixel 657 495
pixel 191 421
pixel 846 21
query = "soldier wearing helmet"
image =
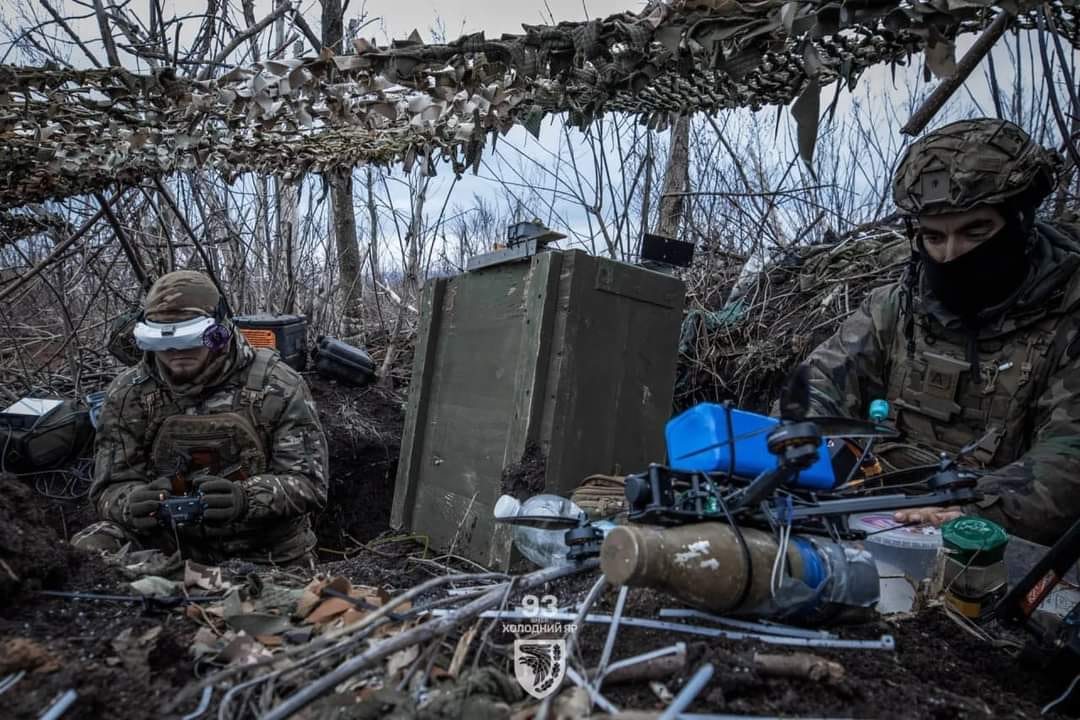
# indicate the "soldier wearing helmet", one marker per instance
pixel 979 343
pixel 206 418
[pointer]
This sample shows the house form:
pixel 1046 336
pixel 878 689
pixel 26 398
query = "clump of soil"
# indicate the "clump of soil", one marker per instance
pixel 32 556
pixel 363 429
pixel 937 670
pixel 526 478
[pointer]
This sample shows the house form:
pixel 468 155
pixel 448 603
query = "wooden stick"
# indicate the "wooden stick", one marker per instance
pixel 799 665
pixel 656 669
pixel 949 85
pixel 438 626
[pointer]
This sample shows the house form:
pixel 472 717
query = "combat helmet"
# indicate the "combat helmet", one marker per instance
pixel 974 162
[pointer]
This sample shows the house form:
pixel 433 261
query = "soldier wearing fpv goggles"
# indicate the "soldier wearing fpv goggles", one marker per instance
pixel 207 444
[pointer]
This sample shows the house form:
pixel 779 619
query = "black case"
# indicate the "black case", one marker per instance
pixel 56 439
pixel 344 363
pixel 290 335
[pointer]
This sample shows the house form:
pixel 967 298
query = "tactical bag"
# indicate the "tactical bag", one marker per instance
pixel 55 439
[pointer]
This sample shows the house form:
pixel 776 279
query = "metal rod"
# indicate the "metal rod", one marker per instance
pixel 204 703
pixel 613 631
pixel 949 85
pixel 10 681
pixel 60 706
pixel 689 693
pixel 765 628
pixel 886 642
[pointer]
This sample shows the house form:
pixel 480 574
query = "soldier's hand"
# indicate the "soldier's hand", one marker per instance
pixel 936 516
pixel 143 503
pixel 225 500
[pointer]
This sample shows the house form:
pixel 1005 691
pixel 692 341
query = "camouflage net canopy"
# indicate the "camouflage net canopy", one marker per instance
pixel 65 132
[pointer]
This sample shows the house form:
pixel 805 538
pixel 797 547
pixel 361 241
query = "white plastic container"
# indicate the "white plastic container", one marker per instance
pixel 542 547
pixel 912 551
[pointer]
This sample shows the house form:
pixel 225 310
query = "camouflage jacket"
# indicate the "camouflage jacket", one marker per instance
pixel 1013 386
pixel 258 416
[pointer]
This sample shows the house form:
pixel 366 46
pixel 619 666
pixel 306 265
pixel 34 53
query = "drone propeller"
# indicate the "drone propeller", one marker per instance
pixel 542 522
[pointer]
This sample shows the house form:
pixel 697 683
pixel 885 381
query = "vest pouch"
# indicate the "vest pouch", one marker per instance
pixel 53 441
pixel 217 443
pixel 940 382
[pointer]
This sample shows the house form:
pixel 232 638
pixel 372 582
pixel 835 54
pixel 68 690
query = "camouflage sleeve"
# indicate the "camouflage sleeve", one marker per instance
pixel 1038 496
pixel 119 460
pixel 850 369
pixel 296 482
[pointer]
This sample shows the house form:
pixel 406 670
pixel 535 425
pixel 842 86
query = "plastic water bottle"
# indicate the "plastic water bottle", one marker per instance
pixel 545 548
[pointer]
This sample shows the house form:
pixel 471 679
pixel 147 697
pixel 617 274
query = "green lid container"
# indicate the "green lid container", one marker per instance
pixel 974 540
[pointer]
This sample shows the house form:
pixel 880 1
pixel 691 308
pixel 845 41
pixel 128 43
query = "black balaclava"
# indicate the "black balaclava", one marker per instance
pixel 986 275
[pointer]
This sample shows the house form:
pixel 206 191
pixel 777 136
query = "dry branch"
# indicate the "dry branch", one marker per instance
pixel 950 85
pixel 427 631
pixel 57 251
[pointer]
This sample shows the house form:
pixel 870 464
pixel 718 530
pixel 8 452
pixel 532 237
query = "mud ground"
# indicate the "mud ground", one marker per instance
pixel 937 671
pixel 526 478
pixel 71 642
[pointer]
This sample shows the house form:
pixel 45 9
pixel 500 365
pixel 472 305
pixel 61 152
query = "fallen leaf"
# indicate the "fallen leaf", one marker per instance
pixel 328 610
pixel 462 650
pixel 401 660
pixel 354 615
pixel 244 651
pixel 259 624
pixel 22 654
pixel 134 652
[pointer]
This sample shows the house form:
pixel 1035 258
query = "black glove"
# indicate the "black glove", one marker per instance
pixel 225 500
pixel 143 503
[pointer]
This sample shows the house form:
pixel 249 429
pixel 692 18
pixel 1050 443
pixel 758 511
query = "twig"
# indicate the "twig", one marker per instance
pixel 949 85
pixel 239 39
pixel 438 626
pixel 58 250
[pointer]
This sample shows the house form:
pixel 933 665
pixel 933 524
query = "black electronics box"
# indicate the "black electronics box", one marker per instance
pixel 287 334
pixel 343 362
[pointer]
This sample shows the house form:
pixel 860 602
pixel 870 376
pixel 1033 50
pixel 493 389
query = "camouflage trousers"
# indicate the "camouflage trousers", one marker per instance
pixel 294 549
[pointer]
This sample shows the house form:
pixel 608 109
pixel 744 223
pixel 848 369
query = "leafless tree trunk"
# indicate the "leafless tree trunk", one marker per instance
pixel 411 286
pixel 106 34
pixel 342 213
pixel 676 179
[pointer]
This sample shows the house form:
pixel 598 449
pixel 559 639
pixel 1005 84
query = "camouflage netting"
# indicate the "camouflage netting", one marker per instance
pixel 64 131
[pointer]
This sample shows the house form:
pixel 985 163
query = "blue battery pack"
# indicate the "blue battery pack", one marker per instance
pixel 705 426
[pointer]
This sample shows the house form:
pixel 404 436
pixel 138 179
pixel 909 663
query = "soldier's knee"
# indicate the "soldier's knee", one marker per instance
pixel 102 536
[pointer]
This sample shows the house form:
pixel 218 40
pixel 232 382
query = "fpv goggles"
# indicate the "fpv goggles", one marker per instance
pixel 185 335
